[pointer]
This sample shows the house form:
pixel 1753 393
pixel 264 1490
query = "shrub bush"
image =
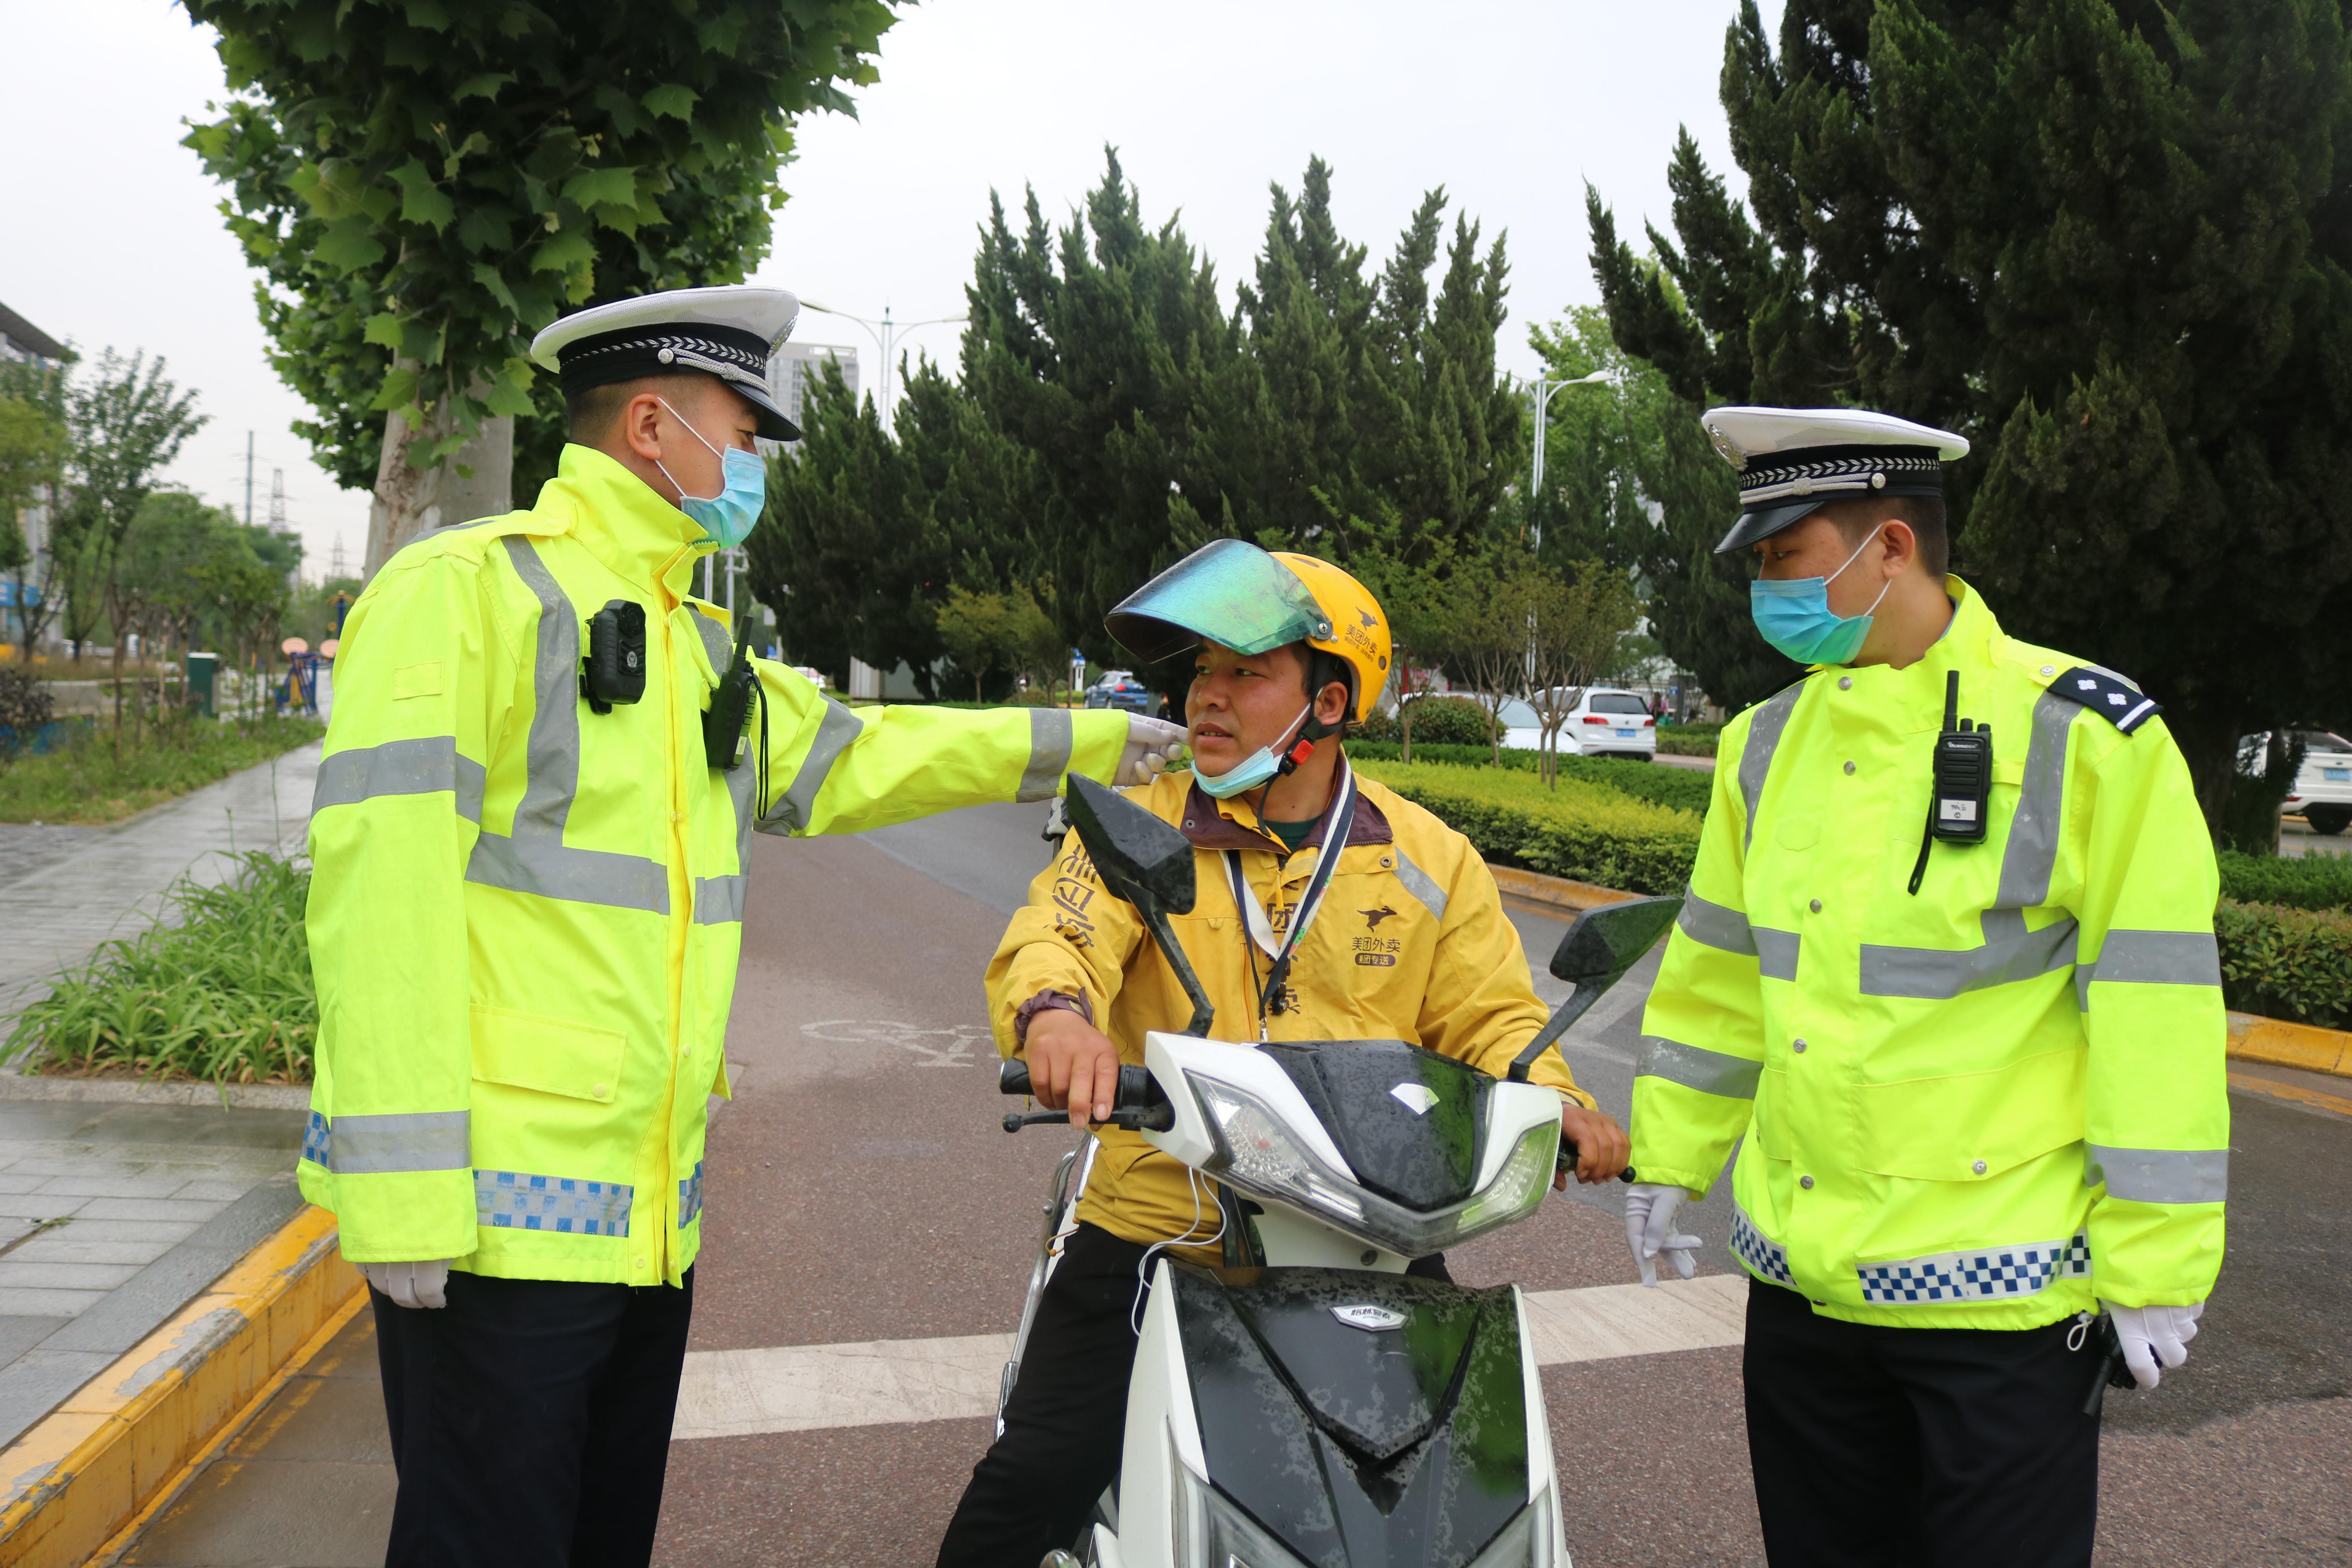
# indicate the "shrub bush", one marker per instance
pixel 1585 831
pixel 2314 882
pixel 1677 787
pixel 219 990
pixel 24 707
pixel 1688 740
pixel 1449 721
pixel 2285 963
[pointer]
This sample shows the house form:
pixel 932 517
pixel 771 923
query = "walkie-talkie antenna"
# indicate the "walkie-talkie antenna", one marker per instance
pixel 1951 700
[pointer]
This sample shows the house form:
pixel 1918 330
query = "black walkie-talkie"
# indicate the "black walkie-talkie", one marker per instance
pixel 1963 780
pixel 723 738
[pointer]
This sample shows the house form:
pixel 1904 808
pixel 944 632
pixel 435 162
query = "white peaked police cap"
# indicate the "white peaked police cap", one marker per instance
pixel 1793 461
pixel 729 333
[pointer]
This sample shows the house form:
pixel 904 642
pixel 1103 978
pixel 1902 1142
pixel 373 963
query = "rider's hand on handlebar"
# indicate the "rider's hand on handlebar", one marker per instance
pixel 1601 1146
pixel 1072 1064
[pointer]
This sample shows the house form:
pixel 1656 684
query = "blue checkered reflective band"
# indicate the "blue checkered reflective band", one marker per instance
pixel 690 1198
pixel 1763 1256
pixel 318 1140
pixel 1984 1274
pixel 509 1199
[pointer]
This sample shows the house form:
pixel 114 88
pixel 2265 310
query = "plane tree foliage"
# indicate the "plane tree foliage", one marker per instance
pixel 2108 241
pixel 421 186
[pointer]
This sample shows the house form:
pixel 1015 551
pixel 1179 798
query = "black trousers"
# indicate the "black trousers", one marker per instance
pixel 1917 1448
pixel 1067 1421
pixel 531 1421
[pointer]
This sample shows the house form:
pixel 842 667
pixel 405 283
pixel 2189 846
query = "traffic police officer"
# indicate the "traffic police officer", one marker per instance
pixel 1960 996
pixel 530 840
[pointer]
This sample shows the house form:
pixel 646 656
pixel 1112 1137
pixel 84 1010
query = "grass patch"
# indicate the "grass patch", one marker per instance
pixel 1585 831
pixel 81 783
pixel 219 991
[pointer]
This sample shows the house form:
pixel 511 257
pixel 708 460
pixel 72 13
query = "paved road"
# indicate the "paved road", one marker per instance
pixel 860 1196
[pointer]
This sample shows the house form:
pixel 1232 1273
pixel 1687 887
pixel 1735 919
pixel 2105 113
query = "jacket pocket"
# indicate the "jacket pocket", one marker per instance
pixel 1966 1127
pixel 553 1055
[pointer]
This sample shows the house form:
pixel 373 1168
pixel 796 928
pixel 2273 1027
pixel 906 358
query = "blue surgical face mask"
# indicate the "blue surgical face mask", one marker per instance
pixel 1259 767
pixel 727 518
pixel 1795 617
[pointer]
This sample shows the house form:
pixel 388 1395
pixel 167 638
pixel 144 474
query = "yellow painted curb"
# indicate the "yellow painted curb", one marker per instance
pixel 2283 1045
pixel 1554 892
pixel 76 1478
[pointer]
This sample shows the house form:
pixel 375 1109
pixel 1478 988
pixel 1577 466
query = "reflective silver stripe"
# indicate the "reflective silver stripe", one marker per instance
pixel 2137 1175
pixel 536 860
pixel 2156 958
pixel 1419 883
pixel 1756 756
pixel 2010 951
pixel 519 1201
pixel 400 767
pixel 1979 1274
pixel 1709 1072
pixel 1776 952
pixel 833 732
pixel 1051 737
pixel 1712 925
pixel 718 901
pixel 383 1146
pixel 714 641
pixel 551 871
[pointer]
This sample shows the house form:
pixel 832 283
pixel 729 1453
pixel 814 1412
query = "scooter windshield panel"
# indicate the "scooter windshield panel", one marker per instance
pixel 1412 1123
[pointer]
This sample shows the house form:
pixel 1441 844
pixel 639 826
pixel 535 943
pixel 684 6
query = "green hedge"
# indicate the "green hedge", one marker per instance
pixel 2285 963
pixel 1681 788
pixel 1688 740
pixel 1579 830
pixel 1440 720
pixel 2314 882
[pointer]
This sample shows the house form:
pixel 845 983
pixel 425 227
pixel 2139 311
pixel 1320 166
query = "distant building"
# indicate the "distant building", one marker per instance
pixel 21 342
pixel 793 369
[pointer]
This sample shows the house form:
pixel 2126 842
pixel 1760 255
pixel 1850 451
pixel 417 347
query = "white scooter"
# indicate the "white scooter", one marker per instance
pixel 1309 1402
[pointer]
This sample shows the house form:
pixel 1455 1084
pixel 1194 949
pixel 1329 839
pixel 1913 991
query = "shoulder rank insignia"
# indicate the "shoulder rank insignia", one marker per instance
pixel 2106 696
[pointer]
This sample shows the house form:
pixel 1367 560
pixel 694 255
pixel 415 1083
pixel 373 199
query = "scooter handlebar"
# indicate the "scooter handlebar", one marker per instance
pixel 1138 1104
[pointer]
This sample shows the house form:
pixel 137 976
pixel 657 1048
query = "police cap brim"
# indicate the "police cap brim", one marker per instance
pixel 1766 522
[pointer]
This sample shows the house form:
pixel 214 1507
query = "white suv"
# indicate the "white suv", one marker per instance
pixel 1600 723
pixel 2323 789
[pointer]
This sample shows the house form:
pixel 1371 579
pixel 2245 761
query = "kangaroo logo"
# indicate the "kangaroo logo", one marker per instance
pixel 1373 917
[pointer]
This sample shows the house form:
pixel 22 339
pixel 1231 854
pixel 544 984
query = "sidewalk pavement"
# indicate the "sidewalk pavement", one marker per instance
pixel 119 1201
pixel 69 889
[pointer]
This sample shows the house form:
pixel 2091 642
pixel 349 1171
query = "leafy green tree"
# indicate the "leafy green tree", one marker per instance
pixel 2108 241
pixel 128 421
pixel 981 632
pixel 1575 624
pixel 34 444
pixel 422 187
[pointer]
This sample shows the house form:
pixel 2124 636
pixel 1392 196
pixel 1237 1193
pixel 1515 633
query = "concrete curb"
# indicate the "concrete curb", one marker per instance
pixel 2252 1039
pixel 138 1092
pixel 86 1471
pixel 2283 1045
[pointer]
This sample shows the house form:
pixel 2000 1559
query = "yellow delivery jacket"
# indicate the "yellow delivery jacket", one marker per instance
pixel 1981 1104
pixel 1409 943
pixel 525 915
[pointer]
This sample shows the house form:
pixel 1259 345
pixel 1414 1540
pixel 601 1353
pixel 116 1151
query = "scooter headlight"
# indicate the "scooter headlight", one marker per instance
pixel 1256 1154
pixel 1211 1533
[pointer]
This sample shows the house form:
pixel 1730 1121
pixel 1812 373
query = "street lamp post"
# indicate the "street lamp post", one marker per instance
pixel 1539 392
pixel 885 332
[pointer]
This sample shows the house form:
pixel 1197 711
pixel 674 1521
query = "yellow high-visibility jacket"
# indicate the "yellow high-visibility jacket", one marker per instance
pixel 1409 943
pixel 525 915
pixel 1983 1104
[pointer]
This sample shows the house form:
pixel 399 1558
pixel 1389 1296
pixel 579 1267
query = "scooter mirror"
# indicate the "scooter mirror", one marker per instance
pixel 1140 859
pixel 1607 942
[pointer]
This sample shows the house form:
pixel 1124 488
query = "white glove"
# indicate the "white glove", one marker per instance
pixel 1650 1230
pixel 2154 1334
pixel 1151 745
pixel 411 1284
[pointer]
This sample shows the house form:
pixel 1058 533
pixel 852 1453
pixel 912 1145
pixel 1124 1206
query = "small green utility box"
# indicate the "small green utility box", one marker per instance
pixel 202 667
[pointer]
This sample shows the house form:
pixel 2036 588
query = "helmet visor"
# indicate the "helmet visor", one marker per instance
pixel 1229 592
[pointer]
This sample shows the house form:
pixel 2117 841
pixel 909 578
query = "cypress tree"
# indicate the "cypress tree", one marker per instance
pixel 2107 240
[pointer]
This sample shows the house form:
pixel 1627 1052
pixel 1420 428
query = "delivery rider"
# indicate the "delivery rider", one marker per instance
pixel 1959 993
pixel 531 838
pixel 1407 941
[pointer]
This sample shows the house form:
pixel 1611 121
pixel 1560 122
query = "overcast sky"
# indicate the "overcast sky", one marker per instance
pixel 113 237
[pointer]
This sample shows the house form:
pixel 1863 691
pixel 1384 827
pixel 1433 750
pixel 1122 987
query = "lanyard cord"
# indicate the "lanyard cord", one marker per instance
pixel 1260 929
